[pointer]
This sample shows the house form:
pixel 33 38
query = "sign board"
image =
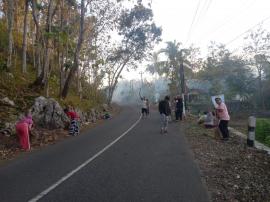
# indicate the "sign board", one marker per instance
pixel 217 96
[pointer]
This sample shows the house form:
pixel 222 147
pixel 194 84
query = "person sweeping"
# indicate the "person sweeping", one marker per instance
pixel 74 121
pixel 23 128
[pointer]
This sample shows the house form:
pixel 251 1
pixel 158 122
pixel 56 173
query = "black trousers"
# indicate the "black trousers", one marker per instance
pixel 178 114
pixel 223 127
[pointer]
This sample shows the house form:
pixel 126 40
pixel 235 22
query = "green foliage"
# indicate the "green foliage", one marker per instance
pixel 3 36
pixel 3 65
pixel 263 131
pixel 170 67
pixel 139 32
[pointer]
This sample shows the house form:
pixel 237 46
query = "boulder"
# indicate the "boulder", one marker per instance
pixel 105 107
pixel 47 113
pixel 83 116
pixel 7 101
pixel 8 129
pixel 93 115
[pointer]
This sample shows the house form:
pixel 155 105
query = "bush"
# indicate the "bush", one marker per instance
pixel 263 131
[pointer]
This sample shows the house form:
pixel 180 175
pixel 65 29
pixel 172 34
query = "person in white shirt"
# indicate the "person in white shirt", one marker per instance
pixel 144 106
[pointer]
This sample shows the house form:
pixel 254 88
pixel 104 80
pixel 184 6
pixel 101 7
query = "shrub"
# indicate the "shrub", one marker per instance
pixel 263 131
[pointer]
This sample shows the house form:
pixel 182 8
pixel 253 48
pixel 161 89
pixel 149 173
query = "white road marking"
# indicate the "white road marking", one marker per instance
pixel 60 181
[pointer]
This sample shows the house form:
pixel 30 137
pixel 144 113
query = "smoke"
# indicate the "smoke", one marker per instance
pixel 128 92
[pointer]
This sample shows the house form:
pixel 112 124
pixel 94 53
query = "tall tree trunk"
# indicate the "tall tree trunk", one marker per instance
pixel 33 47
pixel 79 84
pixel 24 47
pixel 44 76
pixel 38 39
pixel 114 83
pixel 62 72
pixel 77 52
pixel 60 51
pixel 261 90
pixel 10 15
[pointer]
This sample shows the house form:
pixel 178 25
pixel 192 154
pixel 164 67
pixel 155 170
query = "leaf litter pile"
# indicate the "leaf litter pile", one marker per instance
pixel 232 171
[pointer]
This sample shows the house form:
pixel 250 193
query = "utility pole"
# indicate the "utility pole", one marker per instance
pixel 182 81
pixel 131 87
pixel 182 78
pixel 141 78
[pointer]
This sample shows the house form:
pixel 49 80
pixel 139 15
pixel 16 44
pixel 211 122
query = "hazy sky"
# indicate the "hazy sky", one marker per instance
pixel 216 20
pixel 202 21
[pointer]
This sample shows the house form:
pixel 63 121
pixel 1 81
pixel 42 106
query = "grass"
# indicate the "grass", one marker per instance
pixel 263 131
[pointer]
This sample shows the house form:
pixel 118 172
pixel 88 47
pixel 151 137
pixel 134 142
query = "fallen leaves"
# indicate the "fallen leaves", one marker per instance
pixel 232 171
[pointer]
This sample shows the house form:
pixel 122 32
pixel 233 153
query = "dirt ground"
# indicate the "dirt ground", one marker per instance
pixel 232 171
pixel 239 122
pixel 40 137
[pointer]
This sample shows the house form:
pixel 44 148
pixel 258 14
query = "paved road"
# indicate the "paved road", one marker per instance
pixel 142 166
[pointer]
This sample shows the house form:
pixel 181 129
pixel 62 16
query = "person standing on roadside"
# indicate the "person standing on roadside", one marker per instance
pixel 74 127
pixel 223 117
pixel 23 128
pixel 178 108
pixel 144 105
pixel 164 110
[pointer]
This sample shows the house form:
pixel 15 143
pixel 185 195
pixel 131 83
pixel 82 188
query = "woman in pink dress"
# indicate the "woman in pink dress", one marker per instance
pixel 23 128
pixel 223 116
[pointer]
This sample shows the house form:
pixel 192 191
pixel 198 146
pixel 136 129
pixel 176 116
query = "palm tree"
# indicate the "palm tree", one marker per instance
pixel 177 57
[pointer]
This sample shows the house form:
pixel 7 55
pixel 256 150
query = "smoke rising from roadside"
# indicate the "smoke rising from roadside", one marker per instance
pixel 128 92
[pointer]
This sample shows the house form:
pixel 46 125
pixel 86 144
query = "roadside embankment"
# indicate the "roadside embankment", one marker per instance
pixel 232 171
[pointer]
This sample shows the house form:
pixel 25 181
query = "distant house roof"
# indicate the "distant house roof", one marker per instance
pixel 202 86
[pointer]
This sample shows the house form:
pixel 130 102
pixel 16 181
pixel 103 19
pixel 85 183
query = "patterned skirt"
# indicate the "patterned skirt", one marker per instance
pixel 74 128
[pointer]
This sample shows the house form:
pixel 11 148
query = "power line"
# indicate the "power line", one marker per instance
pixel 228 19
pixel 203 11
pixel 208 6
pixel 235 38
pixel 193 20
pixel 201 16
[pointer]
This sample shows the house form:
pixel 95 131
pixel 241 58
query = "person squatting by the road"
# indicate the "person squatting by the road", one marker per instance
pixel 223 116
pixel 164 110
pixel 208 119
pixel 23 128
pixel 74 127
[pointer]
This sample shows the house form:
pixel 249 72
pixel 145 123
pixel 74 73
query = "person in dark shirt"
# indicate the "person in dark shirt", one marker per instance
pixel 164 110
pixel 178 108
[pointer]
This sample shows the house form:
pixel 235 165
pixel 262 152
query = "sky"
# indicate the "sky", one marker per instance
pixel 200 21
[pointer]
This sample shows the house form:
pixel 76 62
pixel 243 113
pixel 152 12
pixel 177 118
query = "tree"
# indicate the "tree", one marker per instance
pixel 240 79
pixel 25 37
pixel 10 19
pixel 43 78
pixel 173 68
pixel 139 33
pixel 75 65
pixel 257 53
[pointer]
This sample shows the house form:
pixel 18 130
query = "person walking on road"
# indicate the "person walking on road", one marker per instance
pixel 164 110
pixel 223 116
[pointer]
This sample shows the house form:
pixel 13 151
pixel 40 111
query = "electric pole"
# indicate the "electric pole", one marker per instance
pixel 141 78
pixel 182 80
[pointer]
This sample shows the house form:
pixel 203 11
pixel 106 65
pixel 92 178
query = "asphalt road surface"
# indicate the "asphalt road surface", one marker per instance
pixel 141 165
